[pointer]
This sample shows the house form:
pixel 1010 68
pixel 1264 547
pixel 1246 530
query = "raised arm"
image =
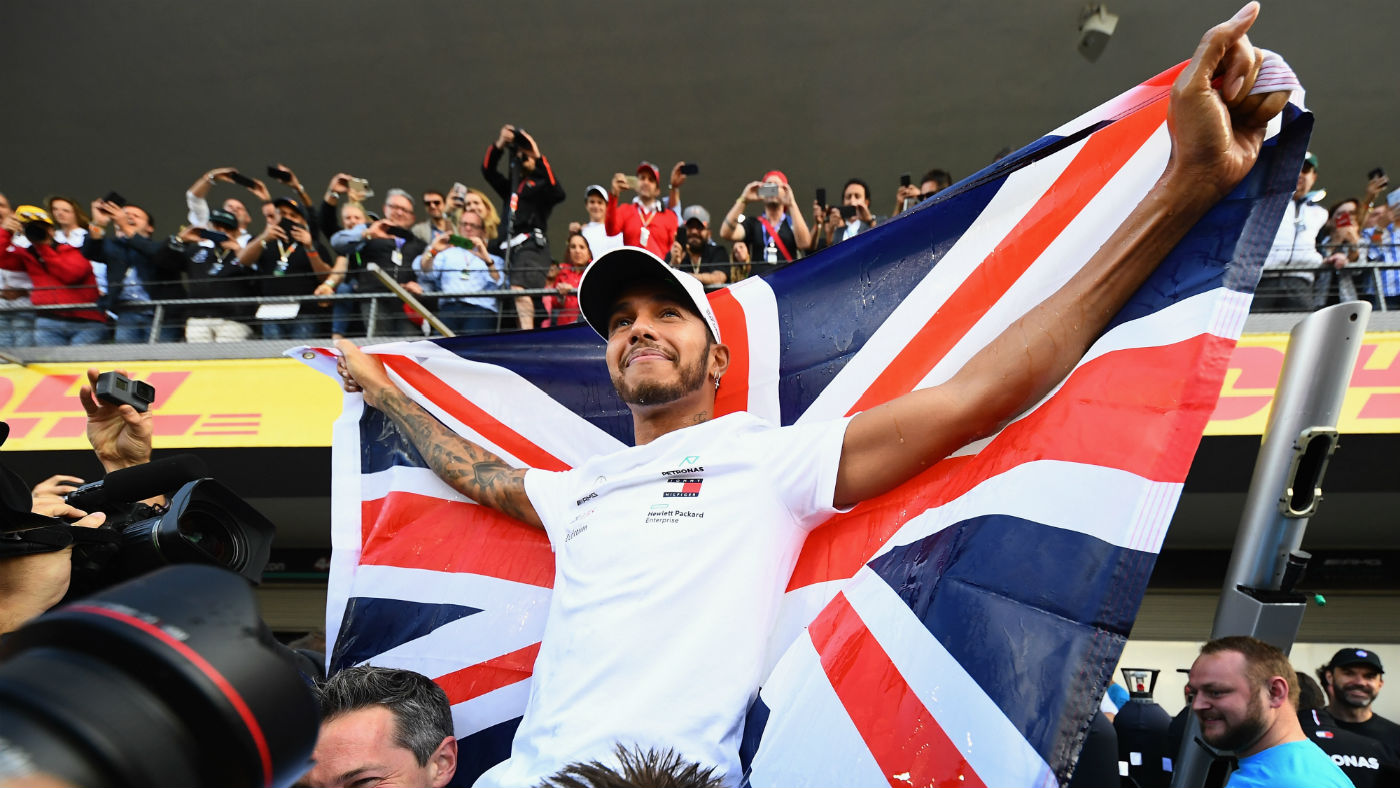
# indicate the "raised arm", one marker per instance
pixel 1216 136
pixel 465 466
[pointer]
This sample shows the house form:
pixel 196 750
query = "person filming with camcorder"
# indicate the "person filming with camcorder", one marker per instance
pixel 156 669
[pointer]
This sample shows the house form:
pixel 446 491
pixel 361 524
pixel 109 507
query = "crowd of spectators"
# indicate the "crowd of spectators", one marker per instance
pixel 481 259
pixel 1344 252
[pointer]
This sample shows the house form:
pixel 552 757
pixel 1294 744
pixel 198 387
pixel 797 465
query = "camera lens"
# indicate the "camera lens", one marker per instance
pixel 206 531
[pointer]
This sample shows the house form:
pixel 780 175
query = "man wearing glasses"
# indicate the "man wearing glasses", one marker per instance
pixel 437 223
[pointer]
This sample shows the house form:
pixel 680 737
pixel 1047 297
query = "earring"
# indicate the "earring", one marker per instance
pixel 716 382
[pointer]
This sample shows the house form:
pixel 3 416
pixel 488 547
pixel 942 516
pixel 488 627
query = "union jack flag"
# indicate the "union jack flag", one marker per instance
pixel 960 629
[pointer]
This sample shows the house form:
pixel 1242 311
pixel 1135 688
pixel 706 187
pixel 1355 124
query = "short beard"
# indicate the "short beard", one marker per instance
pixel 650 393
pixel 1245 734
pixel 1346 700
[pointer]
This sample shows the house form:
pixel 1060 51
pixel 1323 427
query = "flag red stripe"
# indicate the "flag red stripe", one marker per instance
pixel 901 733
pixel 476 680
pixel 422 532
pixel 1129 409
pixel 461 409
pixel 733 394
pixel 1098 160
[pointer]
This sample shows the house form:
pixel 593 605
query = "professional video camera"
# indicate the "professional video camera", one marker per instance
pixel 168 679
pixel 204 522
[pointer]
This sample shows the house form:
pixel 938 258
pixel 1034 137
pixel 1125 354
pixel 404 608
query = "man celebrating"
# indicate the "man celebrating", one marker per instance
pixel 671 556
pixel 1245 695
pixel 1354 676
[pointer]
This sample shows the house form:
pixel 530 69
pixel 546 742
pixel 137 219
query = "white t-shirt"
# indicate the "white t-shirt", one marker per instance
pixel 599 242
pixel 670 563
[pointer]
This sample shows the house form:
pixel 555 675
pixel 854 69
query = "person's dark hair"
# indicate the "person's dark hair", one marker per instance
pixel 426 192
pixel 1324 680
pixel 940 177
pixel 150 219
pixel 422 715
pixel 858 182
pixel 1262 661
pixel 636 769
pixel 1310 694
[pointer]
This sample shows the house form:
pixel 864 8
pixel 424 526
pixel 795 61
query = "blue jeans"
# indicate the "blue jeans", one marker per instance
pixel 467 318
pixel 133 327
pixel 54 331
pixel 16 329
pixel 343 312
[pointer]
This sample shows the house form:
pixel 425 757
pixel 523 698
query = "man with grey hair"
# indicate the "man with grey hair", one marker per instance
pixel 381 726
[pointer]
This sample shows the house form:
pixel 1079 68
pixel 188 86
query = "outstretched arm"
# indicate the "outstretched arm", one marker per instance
pixel 465 466
pixel 1216 136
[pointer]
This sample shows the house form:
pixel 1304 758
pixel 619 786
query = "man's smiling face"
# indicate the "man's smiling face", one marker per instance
pixel 1228 704
pixel 658 349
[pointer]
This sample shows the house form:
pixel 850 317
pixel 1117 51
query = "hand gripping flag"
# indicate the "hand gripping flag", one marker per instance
pixel 959 630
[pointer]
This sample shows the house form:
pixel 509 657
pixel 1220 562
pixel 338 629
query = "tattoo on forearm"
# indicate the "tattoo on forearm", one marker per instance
pixel 467 467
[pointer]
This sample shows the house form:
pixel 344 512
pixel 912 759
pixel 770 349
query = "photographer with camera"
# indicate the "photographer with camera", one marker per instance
pixel 776 235
pixel 60 275
pixel 33 583
pixel 288 261
pixel 528 194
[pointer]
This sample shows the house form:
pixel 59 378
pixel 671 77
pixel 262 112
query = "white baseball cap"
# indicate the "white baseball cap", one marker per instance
pixel 626 266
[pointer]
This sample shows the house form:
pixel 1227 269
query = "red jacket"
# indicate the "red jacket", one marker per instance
pixel 629 220
pixel 60 273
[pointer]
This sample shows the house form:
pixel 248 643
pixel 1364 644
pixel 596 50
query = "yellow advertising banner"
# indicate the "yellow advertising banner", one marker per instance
pixel 282 402
pixel 199 404
pixel 1372 403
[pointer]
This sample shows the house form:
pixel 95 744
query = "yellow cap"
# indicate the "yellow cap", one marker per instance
pixel 32 213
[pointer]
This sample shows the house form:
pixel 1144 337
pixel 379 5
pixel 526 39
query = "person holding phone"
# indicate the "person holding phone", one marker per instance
pixel 646 222
pixel 288 260
pixel 208 258
pixel 778 234
pixel 197 203
pixel 120 236
pixel 460 263
pixel 852 217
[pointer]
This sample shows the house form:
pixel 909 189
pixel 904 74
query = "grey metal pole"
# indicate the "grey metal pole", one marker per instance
pixel 1258 598
pixel 412 302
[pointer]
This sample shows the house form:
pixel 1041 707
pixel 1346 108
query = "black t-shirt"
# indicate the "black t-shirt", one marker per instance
pixel 285 269
pixel 712 258
pixel 382 252
pixel 1361 758
pixel 212 272
pixel 1380 729
pixel 759 240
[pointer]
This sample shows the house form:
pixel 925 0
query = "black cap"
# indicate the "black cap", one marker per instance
pixel 283 202
pixel 223 219
pixel 1356 656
